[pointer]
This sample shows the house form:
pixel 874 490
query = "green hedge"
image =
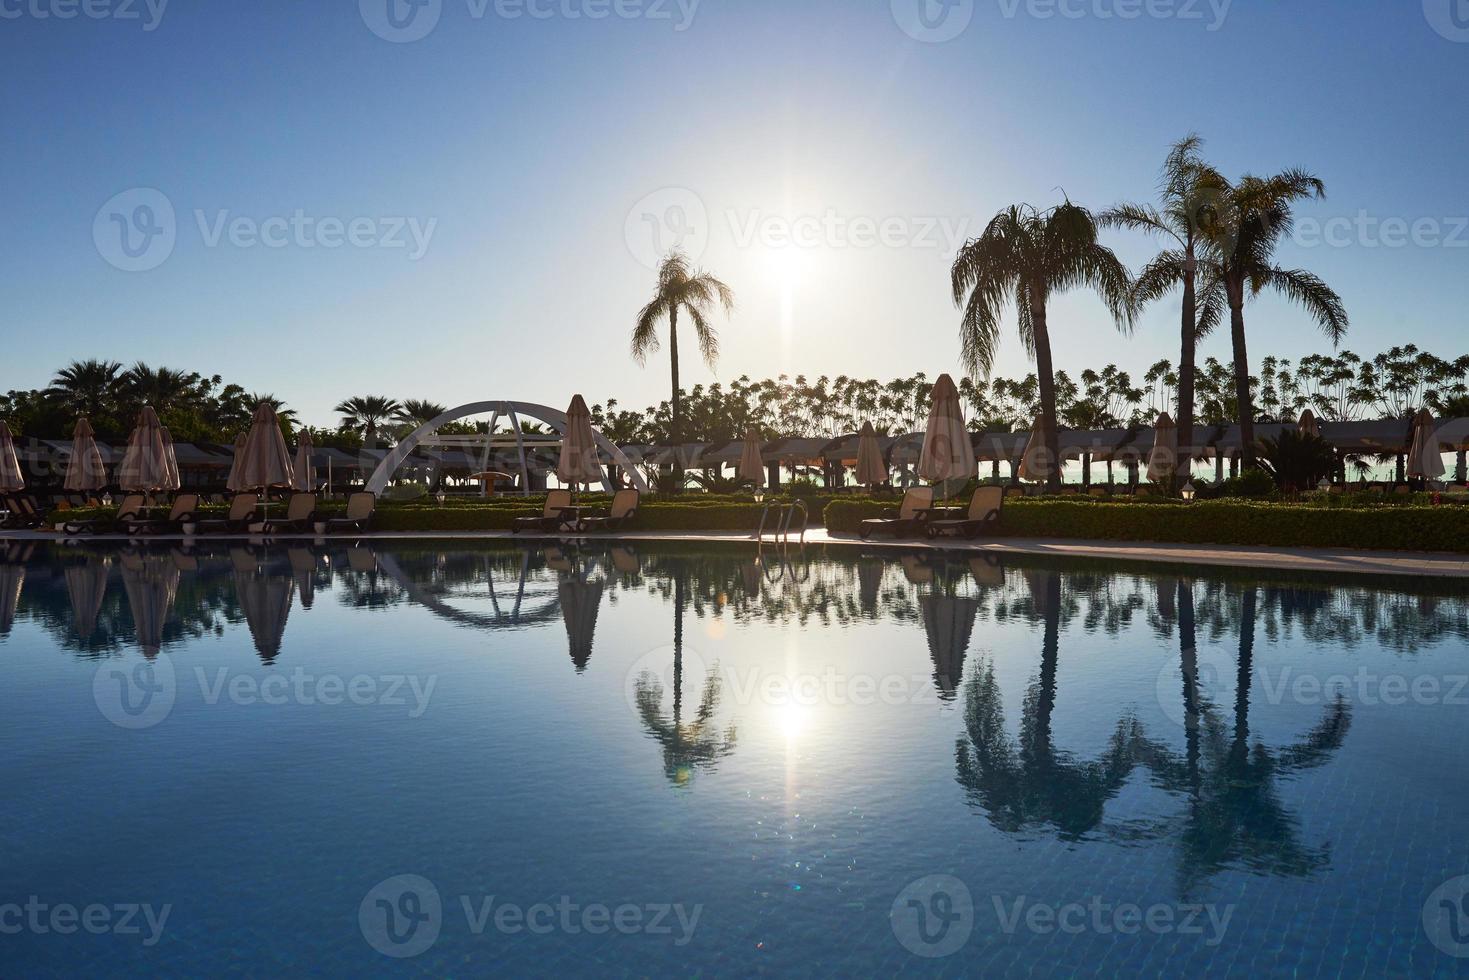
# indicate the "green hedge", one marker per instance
pixel 1214 522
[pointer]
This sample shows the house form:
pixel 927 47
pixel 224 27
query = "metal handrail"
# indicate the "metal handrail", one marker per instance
pixel 784 518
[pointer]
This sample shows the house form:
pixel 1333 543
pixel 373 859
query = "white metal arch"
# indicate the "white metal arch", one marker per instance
pixel 514 410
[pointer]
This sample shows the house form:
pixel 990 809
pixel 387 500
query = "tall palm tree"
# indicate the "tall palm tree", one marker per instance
pixel 87 387
pixel 1238 262
pixel 163 388
pixel 1025 256
pixel 285 416
pixel 1455 407
pixel 680 287
pixel 1188 191
pixel 415 411
pixel 363 413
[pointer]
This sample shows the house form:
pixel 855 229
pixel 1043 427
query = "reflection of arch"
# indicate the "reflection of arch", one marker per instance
pixel 546 612
pixel 556 420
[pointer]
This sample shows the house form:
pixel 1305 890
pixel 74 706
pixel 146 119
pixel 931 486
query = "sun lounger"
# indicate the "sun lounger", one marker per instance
pixel 185 510
pixel 984 513
pixel 129 511
pixel 300 515
pixel 624 508
pixel 904 519
pixel 555 515
pixel 243 510
pixel 360 507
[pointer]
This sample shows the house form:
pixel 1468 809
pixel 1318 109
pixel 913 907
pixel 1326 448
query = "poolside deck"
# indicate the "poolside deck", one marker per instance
pixel 1334 561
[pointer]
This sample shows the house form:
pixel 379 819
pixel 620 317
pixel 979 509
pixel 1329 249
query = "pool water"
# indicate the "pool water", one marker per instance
pixel 425 758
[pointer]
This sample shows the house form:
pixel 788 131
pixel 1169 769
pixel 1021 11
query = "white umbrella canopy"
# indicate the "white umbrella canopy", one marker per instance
pixel 1165 449
pixel 266 462
pixel 10 478
pixel 947 453
pixel 871 470
pixel 1034 461
pixel 752 467
pixel 85 471
pixel 1307 425
pixel 144 466
pixel 1425 460
pixel 232 482
pixel 305 471
pixel 171 461
pixel 578 462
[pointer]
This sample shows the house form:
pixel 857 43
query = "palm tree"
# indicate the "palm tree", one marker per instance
pixel 1455 407
pixel 1188 189
pixel 1240 236
pixel 680 287
pixel 363 413
pixel 164 388
pixel 87 387
pixel 1024 257
pixel 285 416
pixel 415 412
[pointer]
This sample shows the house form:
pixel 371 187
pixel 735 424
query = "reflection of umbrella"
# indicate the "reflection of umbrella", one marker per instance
pixel 1424 459
pixel 869 582
pixel 303 567
pixel 151 585
pixel 86 585
pixel 84 470
pixel 751 575
pixel 12 577
pixel 578 462
pixel 171 479
pixel 144 466
pixel 232 482
pixel 871 470
pixel 1164 456
pixel 266 462
pixel 948 622
pixel 1035 463
pixel 305 476
pixel 265 599
pixel 579 601
pixel 10 478
pixel 751 467
pixel 1306 425
pixel 947 453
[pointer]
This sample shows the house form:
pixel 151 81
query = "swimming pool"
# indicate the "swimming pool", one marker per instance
pixel 433 758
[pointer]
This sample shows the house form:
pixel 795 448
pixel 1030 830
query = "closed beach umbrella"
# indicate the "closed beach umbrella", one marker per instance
pixel 150 585
pixel 305 471
pixel 10 478
pixel 948 623
pixel 578 462
pixel 752 467
pixel 869 583
pixel 947 453
pixel 86 585
pixel 265 599
pixel 85 471
pixel 170 462
pixel 579 602
pixel 1424 457
pixel 144 466
pixel 1165 449
pixel 303 567
pixel 1307 425
pixel 871 469
pixel 232 482
pixel 267 461
pixel 12 578
pixel 1035 463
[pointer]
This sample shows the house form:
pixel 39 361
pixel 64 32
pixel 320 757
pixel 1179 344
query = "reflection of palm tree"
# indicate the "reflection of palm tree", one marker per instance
pixel 686 744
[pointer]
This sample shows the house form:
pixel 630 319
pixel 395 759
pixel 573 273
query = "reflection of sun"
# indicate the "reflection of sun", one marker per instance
pixel 715 629
pixel 792 718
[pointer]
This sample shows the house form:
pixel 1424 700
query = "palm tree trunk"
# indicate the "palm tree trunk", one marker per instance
pixel 1186 368
pixel 1245 410
pixel 1048 398
pixel 677 423
pixel 1459 466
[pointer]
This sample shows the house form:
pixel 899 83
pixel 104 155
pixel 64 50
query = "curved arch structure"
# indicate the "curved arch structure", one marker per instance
pixel 514 411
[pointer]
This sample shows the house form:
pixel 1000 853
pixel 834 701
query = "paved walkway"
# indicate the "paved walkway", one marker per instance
pixel 1334 561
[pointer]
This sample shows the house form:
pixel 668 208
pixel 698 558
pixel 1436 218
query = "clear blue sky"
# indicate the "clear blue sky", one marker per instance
pixel 529 142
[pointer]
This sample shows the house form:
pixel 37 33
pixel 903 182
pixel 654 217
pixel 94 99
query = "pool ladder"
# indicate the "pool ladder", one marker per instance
pixel 785 519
